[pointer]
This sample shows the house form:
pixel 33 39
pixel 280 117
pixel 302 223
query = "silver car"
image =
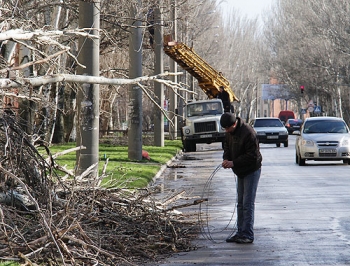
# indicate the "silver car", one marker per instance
pixel 323 139
pixel 270 130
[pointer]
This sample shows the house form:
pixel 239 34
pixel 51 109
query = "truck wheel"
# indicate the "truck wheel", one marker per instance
pixel 193 146
pixel 182 140
pixel 189 146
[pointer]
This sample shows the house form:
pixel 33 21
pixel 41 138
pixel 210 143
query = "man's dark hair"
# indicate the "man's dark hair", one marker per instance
pixel 227 120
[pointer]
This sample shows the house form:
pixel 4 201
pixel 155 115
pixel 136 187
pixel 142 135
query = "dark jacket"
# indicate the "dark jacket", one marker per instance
pixel 242 147
pixel 225 98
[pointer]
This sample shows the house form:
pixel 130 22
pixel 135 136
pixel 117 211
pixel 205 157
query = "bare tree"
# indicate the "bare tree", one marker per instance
pixel 309 44
pixel 244 64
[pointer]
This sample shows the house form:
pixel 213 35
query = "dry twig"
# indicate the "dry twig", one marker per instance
pixel 61 223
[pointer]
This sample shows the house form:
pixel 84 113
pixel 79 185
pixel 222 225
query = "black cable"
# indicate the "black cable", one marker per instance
pixel 204 222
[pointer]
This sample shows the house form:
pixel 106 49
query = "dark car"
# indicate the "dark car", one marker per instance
pixel 270 130
pixel 293 125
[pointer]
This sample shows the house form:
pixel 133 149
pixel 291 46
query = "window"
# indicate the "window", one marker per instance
pixel 325 126
pixel 268 123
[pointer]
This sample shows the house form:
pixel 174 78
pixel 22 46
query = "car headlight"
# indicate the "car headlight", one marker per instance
pixel 345 142
pixel 283 132
pixel 307 142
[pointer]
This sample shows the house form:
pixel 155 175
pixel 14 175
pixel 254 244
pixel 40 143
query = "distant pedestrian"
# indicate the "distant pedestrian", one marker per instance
pixel 242 155
pixel 225 98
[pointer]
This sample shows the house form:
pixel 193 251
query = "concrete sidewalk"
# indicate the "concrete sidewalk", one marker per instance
pixel 291 225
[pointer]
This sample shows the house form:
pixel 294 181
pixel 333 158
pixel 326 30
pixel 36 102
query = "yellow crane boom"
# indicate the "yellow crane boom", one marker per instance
pixel 209 80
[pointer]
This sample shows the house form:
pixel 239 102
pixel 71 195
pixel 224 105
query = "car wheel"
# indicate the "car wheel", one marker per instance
pixel 285 144
pixel 301 162
pixel 223 144
pixel 346 161
pixel 296 158
pixel 278 144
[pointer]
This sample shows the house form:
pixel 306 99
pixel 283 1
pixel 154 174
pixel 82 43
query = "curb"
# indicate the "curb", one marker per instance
pixel 165 166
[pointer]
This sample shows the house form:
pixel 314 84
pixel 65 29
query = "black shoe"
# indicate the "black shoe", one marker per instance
pixel 232 239
pixel 243 240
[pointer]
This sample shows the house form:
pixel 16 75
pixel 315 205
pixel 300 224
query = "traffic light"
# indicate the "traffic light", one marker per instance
pixel 302 88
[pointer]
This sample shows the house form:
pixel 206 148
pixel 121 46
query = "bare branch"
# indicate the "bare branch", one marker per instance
pixel 33 62
pixel 43 80
pixel 20 34
pixel 46 224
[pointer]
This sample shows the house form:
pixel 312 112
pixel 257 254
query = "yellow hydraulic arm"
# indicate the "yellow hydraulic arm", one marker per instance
pixel 208 78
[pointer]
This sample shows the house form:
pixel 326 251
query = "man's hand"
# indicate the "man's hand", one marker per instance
pixel 227 164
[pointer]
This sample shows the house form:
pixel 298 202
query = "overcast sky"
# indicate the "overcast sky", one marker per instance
pixel 251 8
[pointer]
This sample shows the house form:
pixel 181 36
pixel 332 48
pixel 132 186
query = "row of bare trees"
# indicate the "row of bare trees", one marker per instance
pixel 309 46
pixel 299 43
pixel 40 38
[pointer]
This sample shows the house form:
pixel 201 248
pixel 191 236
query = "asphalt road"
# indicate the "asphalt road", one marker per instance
pixel 302 213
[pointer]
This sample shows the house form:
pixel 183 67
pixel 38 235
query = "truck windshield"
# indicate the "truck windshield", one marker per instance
pixel 200 109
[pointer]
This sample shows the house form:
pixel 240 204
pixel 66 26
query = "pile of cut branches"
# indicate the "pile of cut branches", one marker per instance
pixel 47 221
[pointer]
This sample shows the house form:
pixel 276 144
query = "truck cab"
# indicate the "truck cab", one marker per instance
pixel 201 118
pixel 202 123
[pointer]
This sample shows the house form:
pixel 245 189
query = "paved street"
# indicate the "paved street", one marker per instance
pixel 302 213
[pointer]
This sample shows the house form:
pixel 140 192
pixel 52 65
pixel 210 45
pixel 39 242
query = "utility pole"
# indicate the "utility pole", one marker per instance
pixel 135 92
pixel 173 68
pixel 88 95
pixel 158 68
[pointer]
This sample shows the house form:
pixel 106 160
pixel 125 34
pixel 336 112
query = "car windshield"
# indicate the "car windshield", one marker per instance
pixel 295 121
pixel 325 126
pixel 268 123
pixel 200 109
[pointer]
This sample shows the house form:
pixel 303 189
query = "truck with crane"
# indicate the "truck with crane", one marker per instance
pixel 201 118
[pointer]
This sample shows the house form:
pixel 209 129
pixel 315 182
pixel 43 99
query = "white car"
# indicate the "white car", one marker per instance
pixel 270 130
pixel 323 139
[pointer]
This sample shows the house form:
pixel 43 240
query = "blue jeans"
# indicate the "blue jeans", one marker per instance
pixel 246 192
